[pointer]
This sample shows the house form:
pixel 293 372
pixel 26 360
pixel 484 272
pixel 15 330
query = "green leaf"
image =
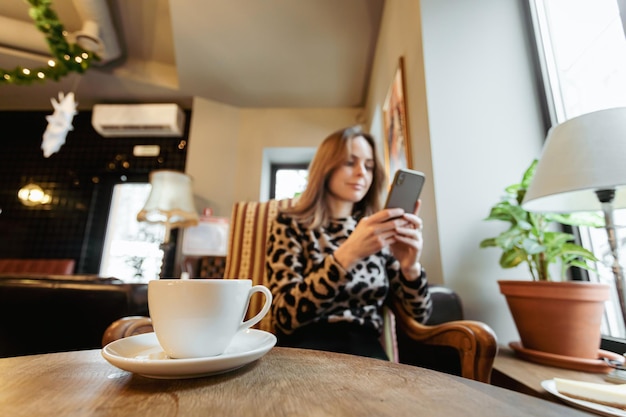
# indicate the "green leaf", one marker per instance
pixel 509 239
pixel 583 265
pixel 576 250
pixel 532 247
pixel 488 243
pixel 529 173
pixel 589 219
pixel 512 258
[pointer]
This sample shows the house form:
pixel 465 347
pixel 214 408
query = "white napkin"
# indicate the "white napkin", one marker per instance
pixel 613 395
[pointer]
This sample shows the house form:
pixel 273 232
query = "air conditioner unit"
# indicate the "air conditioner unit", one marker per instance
pixel 114 120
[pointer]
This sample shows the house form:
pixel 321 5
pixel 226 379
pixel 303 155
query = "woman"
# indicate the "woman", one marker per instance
pixel 333 258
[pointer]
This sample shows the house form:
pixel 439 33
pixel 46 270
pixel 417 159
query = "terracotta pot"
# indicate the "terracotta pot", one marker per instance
pixel 562 318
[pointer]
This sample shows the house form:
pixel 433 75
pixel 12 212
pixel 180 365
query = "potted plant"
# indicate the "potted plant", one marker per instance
pixel 552 314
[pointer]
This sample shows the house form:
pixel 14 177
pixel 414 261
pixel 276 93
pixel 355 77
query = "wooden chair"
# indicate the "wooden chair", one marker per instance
pixel 474 342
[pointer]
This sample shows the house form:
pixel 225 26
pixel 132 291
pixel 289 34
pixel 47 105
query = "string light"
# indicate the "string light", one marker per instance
pixel 66 57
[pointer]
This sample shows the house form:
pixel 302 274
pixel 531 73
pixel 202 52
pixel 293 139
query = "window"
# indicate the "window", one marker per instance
pixel 295 161
pixel 582 55
pixel 287 180
pixel 131 249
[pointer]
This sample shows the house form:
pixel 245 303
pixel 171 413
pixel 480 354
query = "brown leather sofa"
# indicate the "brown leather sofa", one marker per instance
pixel 37 266
pixel 42 313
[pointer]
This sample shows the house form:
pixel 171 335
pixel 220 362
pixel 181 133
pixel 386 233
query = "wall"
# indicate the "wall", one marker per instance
pixel 475 126
pixel 212 160
pixel 226 145
pixel 400 36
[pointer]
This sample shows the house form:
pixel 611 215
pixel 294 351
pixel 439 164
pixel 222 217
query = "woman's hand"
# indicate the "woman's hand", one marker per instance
pixel 370 235
pixel 408 243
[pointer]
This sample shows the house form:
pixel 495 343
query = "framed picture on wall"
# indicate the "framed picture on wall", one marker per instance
pixel 397 145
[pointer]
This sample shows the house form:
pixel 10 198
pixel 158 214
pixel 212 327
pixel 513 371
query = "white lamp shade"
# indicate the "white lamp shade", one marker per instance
pixel 582 155
pixel 170 201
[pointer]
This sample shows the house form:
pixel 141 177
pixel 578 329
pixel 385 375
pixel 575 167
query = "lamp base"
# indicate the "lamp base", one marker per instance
pixel 606 199
pixel 167 265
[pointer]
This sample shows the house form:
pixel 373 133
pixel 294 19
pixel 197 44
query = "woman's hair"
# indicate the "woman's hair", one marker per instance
pixel 312 207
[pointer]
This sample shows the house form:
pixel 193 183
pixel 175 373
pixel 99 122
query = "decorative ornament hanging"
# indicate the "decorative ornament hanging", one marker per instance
pixel 59 123
pixel 66 57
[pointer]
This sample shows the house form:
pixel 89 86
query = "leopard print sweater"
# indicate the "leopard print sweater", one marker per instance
pixel 308 285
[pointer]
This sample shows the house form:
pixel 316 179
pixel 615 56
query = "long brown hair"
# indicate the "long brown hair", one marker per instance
pixel 312 207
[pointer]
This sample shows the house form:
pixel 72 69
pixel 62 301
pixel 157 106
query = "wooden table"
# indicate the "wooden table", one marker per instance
pixel 524 376
pixel 285 382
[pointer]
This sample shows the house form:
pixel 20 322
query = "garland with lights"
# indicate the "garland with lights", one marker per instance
pixel 66 57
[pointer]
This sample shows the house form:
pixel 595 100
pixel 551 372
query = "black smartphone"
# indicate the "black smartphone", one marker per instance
pixel 405 189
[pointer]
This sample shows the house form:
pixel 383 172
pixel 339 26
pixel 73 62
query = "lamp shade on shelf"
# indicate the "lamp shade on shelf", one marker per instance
pixel 170 201
pixel 583 155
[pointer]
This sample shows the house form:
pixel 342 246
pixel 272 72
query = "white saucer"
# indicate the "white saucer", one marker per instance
pixel 604 410
pixel 143 355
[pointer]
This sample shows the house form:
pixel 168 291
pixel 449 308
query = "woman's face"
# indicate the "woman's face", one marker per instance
pixel 350 182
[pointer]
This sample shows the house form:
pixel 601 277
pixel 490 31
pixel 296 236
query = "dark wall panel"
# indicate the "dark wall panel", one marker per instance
pixel 79 178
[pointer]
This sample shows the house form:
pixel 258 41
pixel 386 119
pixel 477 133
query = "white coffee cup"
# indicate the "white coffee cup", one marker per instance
pixel 195 318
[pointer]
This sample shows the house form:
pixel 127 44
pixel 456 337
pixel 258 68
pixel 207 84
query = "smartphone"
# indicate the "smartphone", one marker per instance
pixel 405 189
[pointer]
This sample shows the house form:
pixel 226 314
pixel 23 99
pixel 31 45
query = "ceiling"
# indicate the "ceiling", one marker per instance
pixel 245 53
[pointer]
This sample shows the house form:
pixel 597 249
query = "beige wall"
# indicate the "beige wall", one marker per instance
pixel 400 36
pixel 226 145
pixel 474 125
pixel 212 155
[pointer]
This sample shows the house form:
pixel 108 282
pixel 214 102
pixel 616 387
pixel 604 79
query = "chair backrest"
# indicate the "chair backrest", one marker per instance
pixel 249 228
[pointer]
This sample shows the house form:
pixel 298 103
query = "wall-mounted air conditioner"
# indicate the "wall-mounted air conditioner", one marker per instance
pixel 138 120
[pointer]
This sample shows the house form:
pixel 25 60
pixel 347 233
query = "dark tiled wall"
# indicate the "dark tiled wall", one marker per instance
pixel 79 178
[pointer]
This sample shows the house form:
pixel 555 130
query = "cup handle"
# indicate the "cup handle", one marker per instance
pixel 266 307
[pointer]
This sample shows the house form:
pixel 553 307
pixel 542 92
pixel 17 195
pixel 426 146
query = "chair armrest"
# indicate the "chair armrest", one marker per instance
pixel 126 326
pixel 475 342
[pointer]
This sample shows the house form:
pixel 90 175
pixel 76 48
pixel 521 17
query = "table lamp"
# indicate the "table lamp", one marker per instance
pixel 170 203
pixel 583 168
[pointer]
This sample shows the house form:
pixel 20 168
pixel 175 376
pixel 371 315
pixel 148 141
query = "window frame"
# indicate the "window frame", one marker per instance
pixel 276 166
